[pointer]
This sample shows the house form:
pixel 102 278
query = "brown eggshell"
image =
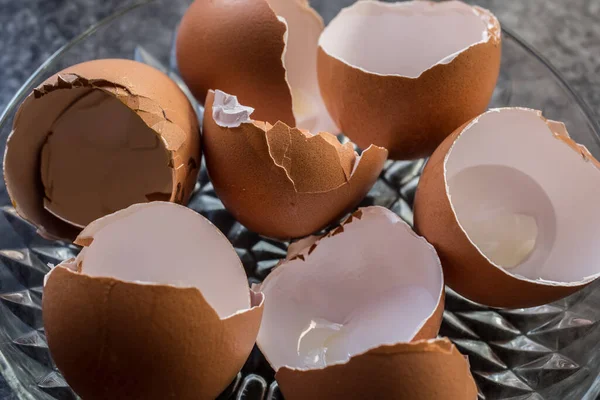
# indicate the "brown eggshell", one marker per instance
pixel 149 93
pixel 264 51
pixel 213 51
pixel 333 308
pixel 282 182
pixel 121 323
pixel 100 331
pixel 466 269
pixel 423 370
pixel 409 116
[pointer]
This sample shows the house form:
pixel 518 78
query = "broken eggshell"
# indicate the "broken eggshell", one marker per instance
pixel 508 202
pixel 405 75
pixel 431 369
pixel 264 51
pixel 98 137
pixel 281 181
pixel 155 306
pixel 336 311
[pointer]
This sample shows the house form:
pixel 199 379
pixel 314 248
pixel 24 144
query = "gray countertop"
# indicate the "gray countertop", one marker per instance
pixel 567 33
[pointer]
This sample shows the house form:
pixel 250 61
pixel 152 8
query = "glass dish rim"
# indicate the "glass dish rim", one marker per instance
pixel 27 86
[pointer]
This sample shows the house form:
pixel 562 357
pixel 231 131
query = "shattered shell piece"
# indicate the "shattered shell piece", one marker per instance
pixel 372 290
pixel 405 75
pixel 116 337
pixel 264 51
pixel 431 369
pixel 150 94
pixel 284 182
pixel 516 162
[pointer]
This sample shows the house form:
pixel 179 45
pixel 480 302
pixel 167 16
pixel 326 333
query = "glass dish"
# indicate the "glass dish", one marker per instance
pixel 547 352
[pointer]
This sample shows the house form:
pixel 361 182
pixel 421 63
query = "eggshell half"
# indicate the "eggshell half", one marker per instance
pixel 516 161
pixel 264 51
pixel 422 370
pixel 123 323
pixel 405 75
pixel 280 181
pixel 372 283
pixel 152 99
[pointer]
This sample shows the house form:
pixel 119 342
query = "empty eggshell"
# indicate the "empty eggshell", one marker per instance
pixel 280 181
pixel 405 75
pixel 337 309
pixel 96 138
pixel 264 51
pixel 508 200
pixel 155 306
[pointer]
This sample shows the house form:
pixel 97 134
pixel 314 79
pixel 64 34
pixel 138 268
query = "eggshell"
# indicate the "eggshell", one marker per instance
pixel 264 51
pixel 283 182
pixel 148 93
pixel 377 284
pixel 549 177
pixel 115 334
pixel 390 75
pixel 422 370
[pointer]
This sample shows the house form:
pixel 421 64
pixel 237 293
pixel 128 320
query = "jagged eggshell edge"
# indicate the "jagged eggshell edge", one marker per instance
pixel 410 116
pixel 123 340
pixel 223 59
pixel 461 260
pixel 152 95
pixel 248 173
pixel 424 370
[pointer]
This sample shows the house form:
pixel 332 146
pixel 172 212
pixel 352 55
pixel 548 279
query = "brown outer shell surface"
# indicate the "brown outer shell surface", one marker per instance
pixel 152 95
pixel 410 116
pixel 119 340
pixel 259 192
pixel 466 270
pixel 213 53
pixel 424 370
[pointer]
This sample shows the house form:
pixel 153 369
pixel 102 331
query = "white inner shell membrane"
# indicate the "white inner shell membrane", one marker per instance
pixel 228 112
pixel 405 38
pixel 507 169
pixel 166 243
pixel 101 157
pixel 300 60
pixel 376 283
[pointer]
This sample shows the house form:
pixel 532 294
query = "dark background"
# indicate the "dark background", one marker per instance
pixel 566 32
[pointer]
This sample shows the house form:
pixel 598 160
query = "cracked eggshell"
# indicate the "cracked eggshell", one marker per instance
pixel 408 90
pixel 508 162
pixel 431 369
pixel 379 286
pixel 280 181
pixel 264 51
pixel 155 306
pixel 131 93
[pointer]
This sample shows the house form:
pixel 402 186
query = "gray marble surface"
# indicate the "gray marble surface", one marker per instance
pixel 566 32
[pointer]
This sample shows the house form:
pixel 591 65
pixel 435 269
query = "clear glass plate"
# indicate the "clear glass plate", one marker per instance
pixel 547 352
